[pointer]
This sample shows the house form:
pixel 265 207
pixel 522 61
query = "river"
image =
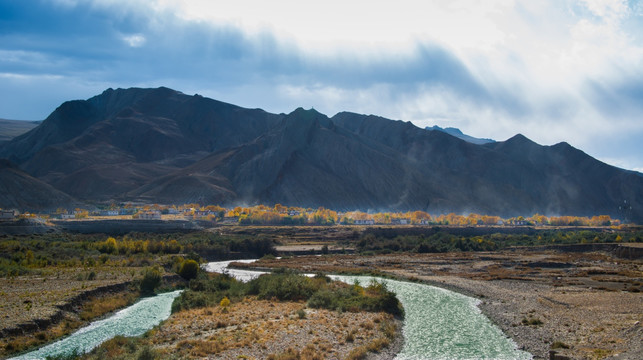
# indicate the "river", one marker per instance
pixel 134 320
pixel 439 324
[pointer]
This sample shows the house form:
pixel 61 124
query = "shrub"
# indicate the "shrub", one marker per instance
pixel 151 280
pixel 531 321
pixel 189 269
pixel 225 302
pixel 319 291
pixel 358 353
pixel 268 257
pixel 375 297
pixel 559 345
pixel 191 300
pixel 146 354
pixel 301 313
pixel 283 286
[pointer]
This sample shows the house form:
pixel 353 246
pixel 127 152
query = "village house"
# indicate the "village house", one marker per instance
pixel 203 213
pixel 7 214
pixel 67 216
pixel 424 222
pixel 150 215
pixel 400 222
pixel 364 222
pixel 109 213
pixel 230 220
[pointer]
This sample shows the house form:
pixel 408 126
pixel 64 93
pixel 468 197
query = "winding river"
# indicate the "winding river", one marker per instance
pixel 439 324
pixel 132 321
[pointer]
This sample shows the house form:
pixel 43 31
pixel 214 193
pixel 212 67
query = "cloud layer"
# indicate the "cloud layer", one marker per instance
pixel 553 70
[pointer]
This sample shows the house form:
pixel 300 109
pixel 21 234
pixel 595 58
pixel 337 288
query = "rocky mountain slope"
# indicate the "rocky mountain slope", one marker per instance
pixel 19 190
pixel 159 145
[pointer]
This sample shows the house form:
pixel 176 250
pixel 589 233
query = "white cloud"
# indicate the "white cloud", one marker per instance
pixel 608 10
pixel 135 40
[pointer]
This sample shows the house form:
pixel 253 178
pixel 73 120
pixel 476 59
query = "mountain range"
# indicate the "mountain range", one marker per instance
pixel 163 146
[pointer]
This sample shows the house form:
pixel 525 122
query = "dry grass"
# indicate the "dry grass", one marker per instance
pixel 27 298
pixel 94 308
pixel 98 306
pixel 15 344
pixel 260 329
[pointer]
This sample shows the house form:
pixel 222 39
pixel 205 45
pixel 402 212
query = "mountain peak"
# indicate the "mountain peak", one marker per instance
pixel 519 139
pixel 300 111
pixel 460 135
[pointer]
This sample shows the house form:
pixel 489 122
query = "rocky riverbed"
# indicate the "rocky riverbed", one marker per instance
pixel 579 305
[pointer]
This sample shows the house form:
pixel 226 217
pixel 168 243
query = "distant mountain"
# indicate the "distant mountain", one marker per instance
pixel 20 191
pixel 120 140
pixel 457 133
pixel 159 145
pixel 9 129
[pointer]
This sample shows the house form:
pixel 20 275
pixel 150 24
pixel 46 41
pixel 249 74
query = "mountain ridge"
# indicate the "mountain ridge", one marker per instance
pixel 459 134
pixel 160 145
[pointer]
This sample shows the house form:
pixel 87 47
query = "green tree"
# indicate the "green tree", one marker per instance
pixel 151 280
pixel 189 269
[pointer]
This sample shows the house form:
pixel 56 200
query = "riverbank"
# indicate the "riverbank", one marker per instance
pixel 37 309
pixel 580 305
pixel 252 326
pixel 40 309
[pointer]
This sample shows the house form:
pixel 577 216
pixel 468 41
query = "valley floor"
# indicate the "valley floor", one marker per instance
pixel 580 305
pixel 259 329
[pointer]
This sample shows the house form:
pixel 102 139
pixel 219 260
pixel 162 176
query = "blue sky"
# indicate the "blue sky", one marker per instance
pixel 559 70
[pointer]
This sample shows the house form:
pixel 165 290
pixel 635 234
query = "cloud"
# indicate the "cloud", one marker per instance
pixel 553 70
pixel 136 40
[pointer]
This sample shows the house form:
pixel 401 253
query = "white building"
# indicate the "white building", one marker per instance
pixel 364 222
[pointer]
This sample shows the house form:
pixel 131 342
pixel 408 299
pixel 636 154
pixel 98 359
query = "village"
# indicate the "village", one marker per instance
pixel 284 215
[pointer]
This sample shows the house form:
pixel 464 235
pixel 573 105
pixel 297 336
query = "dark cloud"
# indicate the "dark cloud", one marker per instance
pixel 88 42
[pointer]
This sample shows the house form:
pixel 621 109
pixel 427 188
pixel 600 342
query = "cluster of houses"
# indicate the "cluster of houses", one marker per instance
pixel 128 212
pixel 132 212
pixel 224 216
pixel 401 221
pixel 7 215
pixel 191 213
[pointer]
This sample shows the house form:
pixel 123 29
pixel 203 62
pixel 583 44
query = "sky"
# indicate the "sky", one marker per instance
pixel 552 70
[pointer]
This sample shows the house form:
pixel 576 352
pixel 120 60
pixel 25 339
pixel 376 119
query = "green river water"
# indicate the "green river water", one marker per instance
pixel 442 324
pixel 131 321
pixel 439 324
